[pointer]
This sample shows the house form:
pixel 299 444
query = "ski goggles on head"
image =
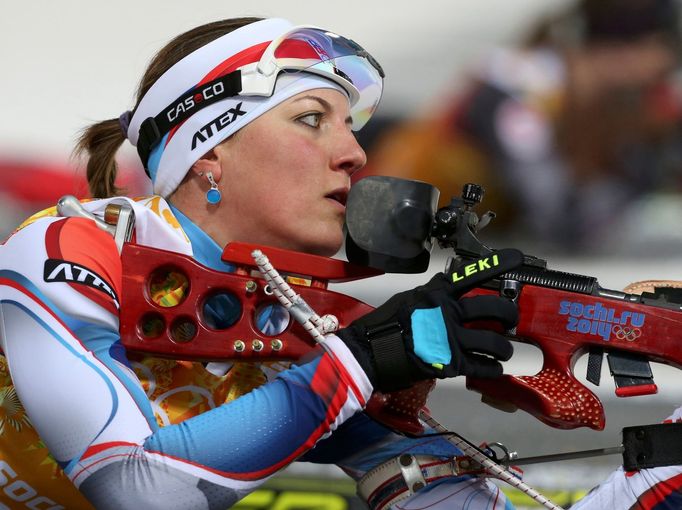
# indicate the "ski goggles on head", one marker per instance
pixel 300 49
pixel 317 51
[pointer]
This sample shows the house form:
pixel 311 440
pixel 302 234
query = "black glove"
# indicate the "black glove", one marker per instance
pixel 419 334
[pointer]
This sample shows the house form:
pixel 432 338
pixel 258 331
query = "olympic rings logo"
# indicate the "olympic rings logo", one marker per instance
pixel 626 333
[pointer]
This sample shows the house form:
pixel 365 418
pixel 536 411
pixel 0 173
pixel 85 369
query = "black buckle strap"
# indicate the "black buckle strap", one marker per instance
pixel 153 129
pixel 647 446
pixel 390 358
pixel 148 138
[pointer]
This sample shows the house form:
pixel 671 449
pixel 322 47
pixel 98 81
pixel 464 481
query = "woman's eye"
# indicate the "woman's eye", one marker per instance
pixel 311 119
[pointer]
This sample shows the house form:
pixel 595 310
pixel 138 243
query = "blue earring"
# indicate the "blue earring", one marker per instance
pixel 213 195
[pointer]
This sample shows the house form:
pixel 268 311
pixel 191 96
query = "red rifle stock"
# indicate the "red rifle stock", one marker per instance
pixel 563 323
pixel 181 331
pixel 208 344
pixel 566 324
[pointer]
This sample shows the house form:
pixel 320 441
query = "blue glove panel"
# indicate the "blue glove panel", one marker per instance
pixel 430 336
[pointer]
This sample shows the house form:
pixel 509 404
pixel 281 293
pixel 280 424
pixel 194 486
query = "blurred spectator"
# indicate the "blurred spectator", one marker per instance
pixel 566 132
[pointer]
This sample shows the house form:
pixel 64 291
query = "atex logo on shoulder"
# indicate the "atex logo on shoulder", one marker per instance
pixel 56 270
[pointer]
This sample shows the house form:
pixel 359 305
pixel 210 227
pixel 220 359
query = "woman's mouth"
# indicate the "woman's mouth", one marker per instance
pixel 340 196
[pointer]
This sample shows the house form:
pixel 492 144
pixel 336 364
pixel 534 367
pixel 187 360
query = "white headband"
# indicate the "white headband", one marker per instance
pixel 172 158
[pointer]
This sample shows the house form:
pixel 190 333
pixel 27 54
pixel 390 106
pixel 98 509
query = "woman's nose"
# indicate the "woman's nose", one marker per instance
pixel 350 156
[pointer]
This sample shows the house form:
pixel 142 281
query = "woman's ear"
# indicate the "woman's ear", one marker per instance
pixel 209 162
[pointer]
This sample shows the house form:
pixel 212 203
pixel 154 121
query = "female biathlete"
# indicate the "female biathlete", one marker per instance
pixel 245 128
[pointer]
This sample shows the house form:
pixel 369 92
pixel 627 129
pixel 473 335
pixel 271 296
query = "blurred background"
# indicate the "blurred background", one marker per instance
pixel 568 112
pixel 69 63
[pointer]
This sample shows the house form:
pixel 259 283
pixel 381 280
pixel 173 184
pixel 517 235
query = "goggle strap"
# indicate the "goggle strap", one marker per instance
pixel 153 129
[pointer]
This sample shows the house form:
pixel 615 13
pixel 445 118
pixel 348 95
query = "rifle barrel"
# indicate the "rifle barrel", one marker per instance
pixel 567 456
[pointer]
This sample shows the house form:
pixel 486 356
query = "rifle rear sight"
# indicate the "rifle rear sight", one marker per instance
pixel 456 225
pixel 393 223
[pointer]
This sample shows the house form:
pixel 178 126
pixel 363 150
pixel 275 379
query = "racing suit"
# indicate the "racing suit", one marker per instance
pixel 133 432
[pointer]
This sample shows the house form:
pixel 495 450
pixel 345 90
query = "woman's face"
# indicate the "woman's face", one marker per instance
pixel 286 175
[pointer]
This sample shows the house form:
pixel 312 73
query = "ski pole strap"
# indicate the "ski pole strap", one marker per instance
pixel 647 446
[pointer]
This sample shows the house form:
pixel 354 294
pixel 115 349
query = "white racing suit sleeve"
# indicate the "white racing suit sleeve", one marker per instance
pixel 59 299
pixel 657 488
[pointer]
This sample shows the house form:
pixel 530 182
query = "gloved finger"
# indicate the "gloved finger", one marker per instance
pixel 484 342
pixel 481 366
pixel 489 307
pixel 473 273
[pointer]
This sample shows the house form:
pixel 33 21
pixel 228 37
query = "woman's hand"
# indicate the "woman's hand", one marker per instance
pixel 420 334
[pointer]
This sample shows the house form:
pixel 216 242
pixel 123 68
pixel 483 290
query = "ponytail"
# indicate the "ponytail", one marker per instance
pixel 99 143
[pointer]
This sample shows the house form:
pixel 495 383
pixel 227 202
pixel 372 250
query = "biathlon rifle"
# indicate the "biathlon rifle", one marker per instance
pixel 393 224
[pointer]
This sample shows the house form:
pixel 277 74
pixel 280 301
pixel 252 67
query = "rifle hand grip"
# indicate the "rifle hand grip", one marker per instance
pixel 399 410
pixel 554 397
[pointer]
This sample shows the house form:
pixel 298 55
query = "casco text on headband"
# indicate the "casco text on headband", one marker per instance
pixel 300 49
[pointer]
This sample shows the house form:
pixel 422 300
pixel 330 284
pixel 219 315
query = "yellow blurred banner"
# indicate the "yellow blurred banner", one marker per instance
pixel 307 493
